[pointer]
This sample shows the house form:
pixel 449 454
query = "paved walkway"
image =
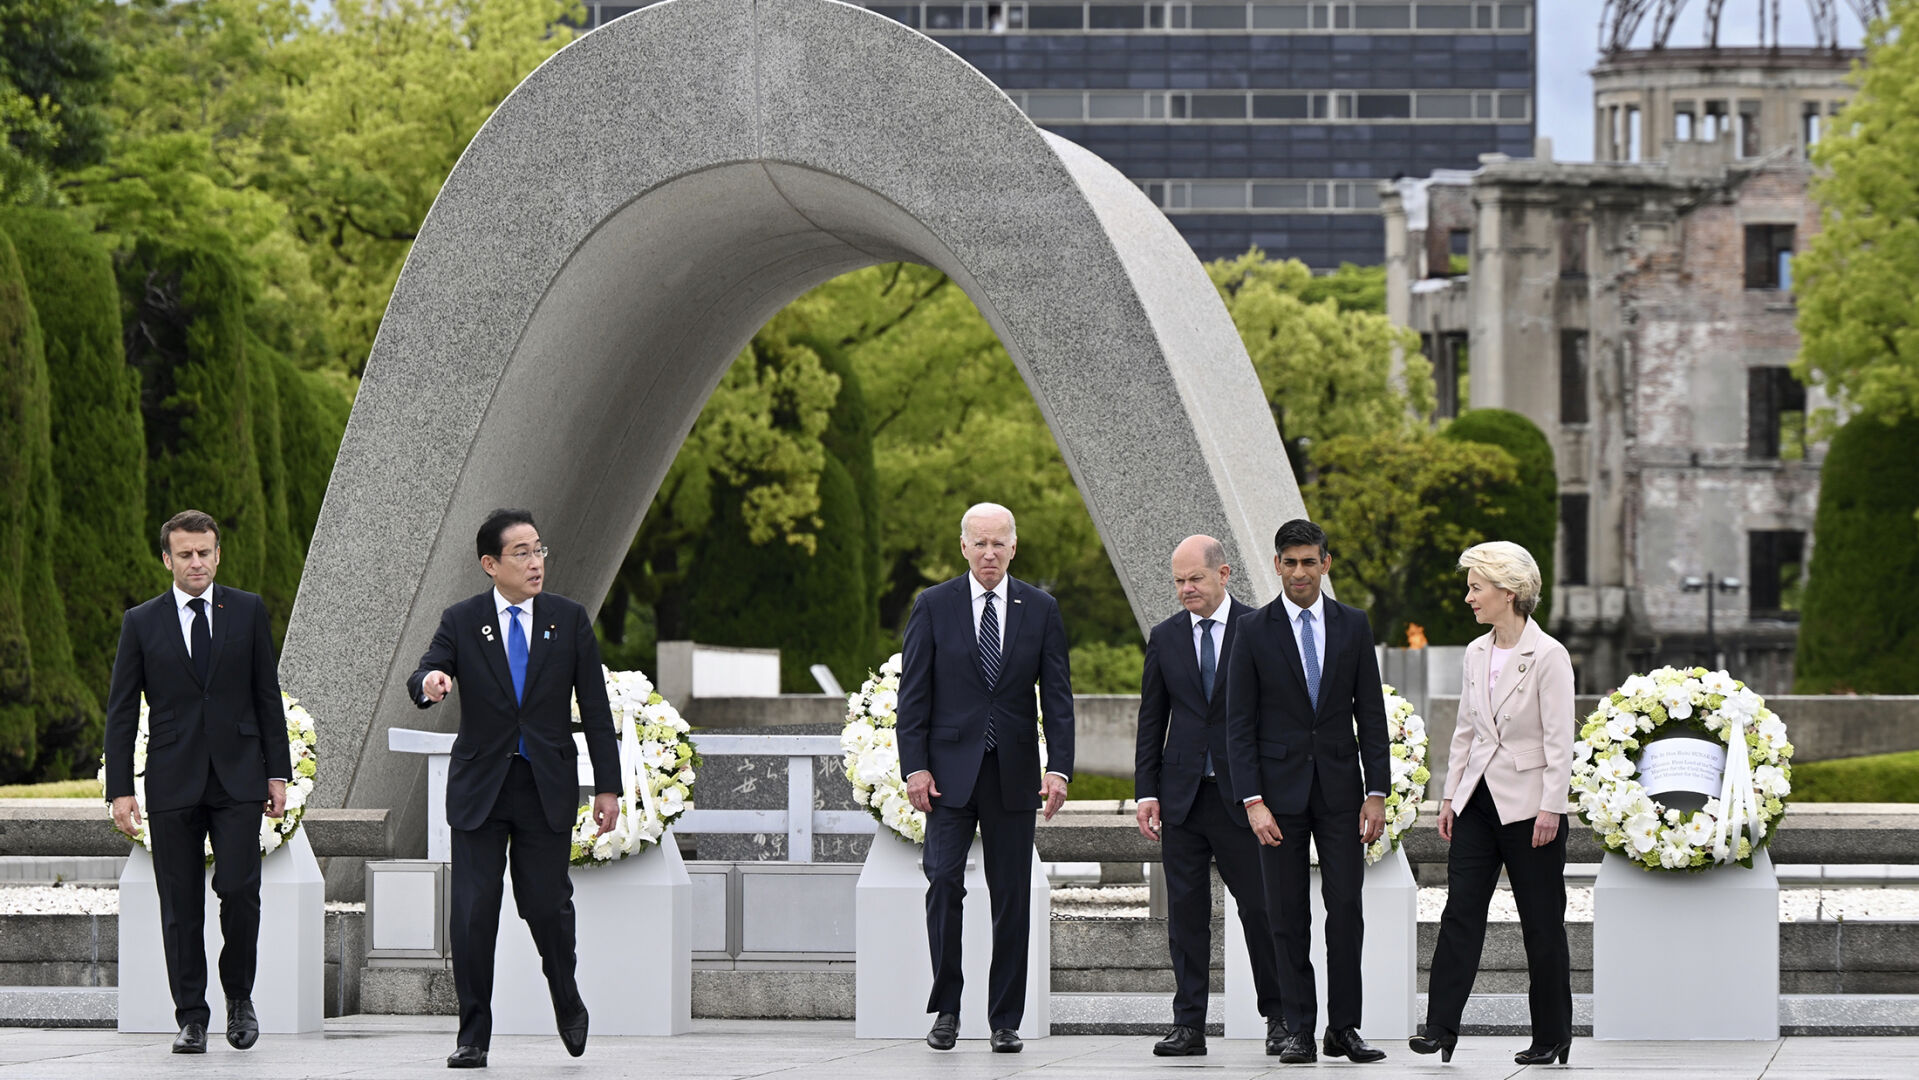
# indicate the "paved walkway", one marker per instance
pixel 401 1047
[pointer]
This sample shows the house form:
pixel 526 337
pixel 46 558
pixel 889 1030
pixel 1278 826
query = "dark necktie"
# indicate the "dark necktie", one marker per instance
pixel 1310 654
pixel 516 660
pixel 200 639
pixel 1208 671
pixel 989 659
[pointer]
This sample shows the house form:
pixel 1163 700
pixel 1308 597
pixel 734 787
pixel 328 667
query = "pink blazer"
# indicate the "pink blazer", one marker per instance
pixel 1522 749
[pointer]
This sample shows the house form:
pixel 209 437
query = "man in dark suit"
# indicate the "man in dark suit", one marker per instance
pixel 976 647
pixel 217 757
pixel 1305 716
pixel 1186 794
pixel 520 655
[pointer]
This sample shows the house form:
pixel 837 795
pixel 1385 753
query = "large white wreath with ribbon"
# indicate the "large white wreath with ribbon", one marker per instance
pixel 302 740
pixel 1613 793
pixel 657 768
pixel 870 743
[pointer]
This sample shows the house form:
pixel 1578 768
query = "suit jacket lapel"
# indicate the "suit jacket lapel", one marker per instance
pixel 1277 613
pixel 492 645
pixel 1518 665
pixel 1233 610
pixel 541 642
pixel 1010 620
pixel 176 639
pixel 222 622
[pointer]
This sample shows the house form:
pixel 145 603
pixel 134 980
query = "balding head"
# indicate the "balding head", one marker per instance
pixel 1200 573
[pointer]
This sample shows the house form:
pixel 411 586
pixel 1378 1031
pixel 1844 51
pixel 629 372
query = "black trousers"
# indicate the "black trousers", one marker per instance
pixel 1481 845
pixel 1188 851
pixel 541 890
pixel 179 870
pixel 1006 837
pixel 1287 871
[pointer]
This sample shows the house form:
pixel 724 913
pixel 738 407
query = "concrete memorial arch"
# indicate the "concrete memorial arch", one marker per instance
pixel 616 233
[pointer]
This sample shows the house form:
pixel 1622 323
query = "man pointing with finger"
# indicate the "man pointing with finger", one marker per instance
pixel 1306 730
pixel 520 655
pixel 976 648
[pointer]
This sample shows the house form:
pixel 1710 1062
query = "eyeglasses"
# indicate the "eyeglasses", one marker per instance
pixel 523 557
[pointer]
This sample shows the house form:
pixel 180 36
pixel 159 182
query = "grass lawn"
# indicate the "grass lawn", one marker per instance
pixel 1094 786
pixel 1878 778
pixel 58 789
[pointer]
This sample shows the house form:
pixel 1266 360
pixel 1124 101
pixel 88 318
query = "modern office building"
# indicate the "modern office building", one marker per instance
pixel 1257 123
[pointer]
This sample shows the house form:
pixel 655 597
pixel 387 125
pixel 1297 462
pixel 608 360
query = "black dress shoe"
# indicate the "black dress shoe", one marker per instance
pixel 1544 1055
pixel 945 1031
pixel 467 1057
pixel 1297 1049
pixel 1346 1043
pixel 191 1040
pixel 573 1031
pixel 1276 1032
pixel 1181 1042
pixel 243 1027
pixel 1006 1041
pixel 1432 1040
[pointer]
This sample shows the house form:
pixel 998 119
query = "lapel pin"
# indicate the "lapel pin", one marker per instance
pixel 548 635
pixel 1522 667
pixel 488 631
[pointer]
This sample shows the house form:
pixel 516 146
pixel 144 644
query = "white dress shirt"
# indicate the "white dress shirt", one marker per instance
pixel 500 604
pixel 1293 613
pixel 1218 630
pixel 180 599
pixel 979 606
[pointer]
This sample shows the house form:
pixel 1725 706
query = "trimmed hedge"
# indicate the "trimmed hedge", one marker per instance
pixel 102 560
pixel 1859 625
pixel 49 723
pixel 1526 513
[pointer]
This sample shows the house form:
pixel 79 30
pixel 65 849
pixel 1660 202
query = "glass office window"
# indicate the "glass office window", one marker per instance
pixel 1383 17
pixel 1513 106
pixel 1117 106
pixel 1385 106
pixel 1219 106
pixel 1445 16
pixel 1043 17
pixel 945 17
pixel 1282 196
pixel 1218 195
pixel 1282 106
pixel 1219 16
pixel 1061 105
pixel 1116 17
pixel 1444 107
pixel 1279 17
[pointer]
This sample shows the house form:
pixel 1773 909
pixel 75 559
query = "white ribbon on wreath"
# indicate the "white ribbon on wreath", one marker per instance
pixel 1740 807
pixel 635 791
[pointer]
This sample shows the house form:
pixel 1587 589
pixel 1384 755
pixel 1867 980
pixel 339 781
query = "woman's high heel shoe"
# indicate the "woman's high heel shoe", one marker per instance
pixel 1540 1055
pixel 1431 1044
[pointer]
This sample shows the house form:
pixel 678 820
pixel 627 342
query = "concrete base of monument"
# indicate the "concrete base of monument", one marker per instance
pixel 893 972
pixel 290 978
pixel 1686 956
pixel 1389 963
pixel 634 927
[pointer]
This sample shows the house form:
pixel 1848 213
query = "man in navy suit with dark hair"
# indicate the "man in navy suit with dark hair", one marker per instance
pixel 1184 781
pixel 975 649
pixel 520 654
pixel 1306 724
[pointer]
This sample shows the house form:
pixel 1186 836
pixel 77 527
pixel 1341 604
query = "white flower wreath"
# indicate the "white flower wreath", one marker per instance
pixel 1406 735
pixel 302 741
pixel 1726 829
pixel 657 768
pixel 870 741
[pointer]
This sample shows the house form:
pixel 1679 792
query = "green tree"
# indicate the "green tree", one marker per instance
pixel 1856 280
pixel 1859 625
pixel 1381 498
pixel 187 337
pixel 49 722
pixel 1327 371
pixel 1524 512
pixel 103 554
pixel 280 560
pixel 54 68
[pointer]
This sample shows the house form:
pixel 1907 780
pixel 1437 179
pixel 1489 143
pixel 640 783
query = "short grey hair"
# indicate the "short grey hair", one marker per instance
pixel 1506 565
pixel 987 509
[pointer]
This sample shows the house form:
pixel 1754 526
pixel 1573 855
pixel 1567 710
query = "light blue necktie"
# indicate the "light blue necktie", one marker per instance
pixel 1310 650
pixel 1208 672
pixel 516 661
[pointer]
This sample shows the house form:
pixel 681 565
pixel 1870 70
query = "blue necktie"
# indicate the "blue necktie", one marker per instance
pixel 516 661
pixel 989 658
pixel 1310 653
pixel 1208 671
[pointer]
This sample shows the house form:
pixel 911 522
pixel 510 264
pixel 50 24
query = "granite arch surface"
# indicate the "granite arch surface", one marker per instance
pixel 615 234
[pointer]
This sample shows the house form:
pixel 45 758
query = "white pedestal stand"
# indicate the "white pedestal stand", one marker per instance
pixel 1389 964
pixel 634 925
pixel 1686 956
pixel 289 984
pixel 893 975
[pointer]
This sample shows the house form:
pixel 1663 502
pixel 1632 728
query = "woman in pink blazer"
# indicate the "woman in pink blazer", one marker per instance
pixel 1508 776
